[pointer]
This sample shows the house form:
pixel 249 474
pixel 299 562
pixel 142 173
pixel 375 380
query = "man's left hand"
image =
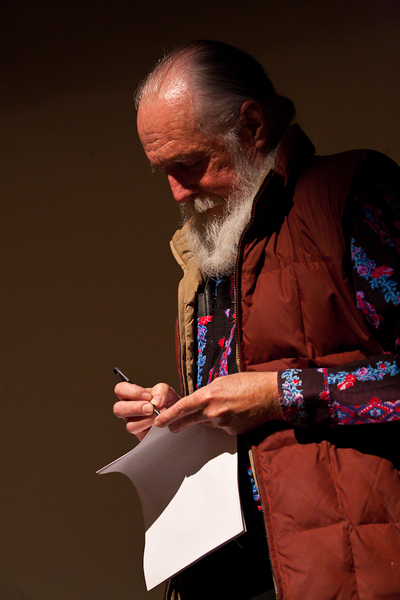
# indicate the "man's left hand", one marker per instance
pixel 235 403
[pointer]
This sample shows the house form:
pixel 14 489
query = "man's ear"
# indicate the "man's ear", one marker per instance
pixel 254 131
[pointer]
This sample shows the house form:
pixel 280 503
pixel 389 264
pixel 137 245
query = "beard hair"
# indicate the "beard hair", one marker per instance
pixel 213 239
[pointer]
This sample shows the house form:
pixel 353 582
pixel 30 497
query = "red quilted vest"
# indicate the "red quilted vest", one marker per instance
pixel 331 499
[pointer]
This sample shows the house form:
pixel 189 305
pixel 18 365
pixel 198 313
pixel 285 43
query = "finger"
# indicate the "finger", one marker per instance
pixel 139 427
pixel 182 408
pixel 131 391
pixel 125 409
pixel 193 419
pixel 163 396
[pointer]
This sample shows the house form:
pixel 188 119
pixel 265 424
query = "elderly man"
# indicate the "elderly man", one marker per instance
pixel 288 325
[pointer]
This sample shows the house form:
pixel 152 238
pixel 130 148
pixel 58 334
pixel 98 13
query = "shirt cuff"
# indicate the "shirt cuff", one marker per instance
pixel 304 397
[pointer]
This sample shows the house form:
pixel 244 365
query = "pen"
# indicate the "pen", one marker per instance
pixel 125 378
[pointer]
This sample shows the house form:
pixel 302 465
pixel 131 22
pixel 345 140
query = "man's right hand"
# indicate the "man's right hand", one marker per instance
pixel 135 408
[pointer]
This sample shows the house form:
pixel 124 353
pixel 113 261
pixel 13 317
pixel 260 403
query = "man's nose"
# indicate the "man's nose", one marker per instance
pixel 181 189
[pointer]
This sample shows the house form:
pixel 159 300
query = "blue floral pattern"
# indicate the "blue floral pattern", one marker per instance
pixel 377 276
pixel 216 334
pixel 335 382
pixel 292 387
pixel 201 344
pixel 254 490
pixel 376 320
pixel 373 217
pixel 345 379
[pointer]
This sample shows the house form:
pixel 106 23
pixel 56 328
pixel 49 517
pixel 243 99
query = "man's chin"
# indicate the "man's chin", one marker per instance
pixel 218 210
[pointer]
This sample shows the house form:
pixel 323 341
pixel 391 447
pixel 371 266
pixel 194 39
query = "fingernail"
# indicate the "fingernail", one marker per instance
pixel 147 409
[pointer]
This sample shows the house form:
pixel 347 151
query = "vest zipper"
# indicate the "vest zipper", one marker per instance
pixel 251 219
pixel 251 455
pixel 238 361
pixel 182 382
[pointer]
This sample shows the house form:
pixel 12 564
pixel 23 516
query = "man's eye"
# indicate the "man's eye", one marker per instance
pixel 192 164
pixel 196 163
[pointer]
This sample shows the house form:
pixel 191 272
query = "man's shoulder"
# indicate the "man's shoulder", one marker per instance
pixel 347 162
pixel 342 170
pixel 350 162
pixel 296 162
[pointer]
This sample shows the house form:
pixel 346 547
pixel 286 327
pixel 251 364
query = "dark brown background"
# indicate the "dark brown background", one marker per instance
pixel 87 278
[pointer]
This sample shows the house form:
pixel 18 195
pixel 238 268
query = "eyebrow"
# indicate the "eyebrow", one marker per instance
pixel 178 158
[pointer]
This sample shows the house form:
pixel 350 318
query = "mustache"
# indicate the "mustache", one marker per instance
pixel 198 206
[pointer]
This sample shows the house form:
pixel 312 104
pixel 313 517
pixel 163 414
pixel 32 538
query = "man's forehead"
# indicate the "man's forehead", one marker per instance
pixel 168 132
pixel 162 117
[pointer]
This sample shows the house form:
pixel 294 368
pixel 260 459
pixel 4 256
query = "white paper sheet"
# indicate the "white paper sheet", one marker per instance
pixel 188 487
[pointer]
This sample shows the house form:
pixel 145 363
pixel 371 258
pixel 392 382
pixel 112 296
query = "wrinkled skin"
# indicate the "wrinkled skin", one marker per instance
pixel 235 403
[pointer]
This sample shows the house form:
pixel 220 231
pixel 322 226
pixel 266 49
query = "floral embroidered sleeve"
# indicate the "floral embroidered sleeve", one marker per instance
pixel 367 391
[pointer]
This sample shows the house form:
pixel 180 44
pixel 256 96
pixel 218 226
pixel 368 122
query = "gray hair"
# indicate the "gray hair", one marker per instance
pixel 221 79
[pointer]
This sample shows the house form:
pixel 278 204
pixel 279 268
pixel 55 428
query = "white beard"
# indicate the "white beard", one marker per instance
pixel 213 238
